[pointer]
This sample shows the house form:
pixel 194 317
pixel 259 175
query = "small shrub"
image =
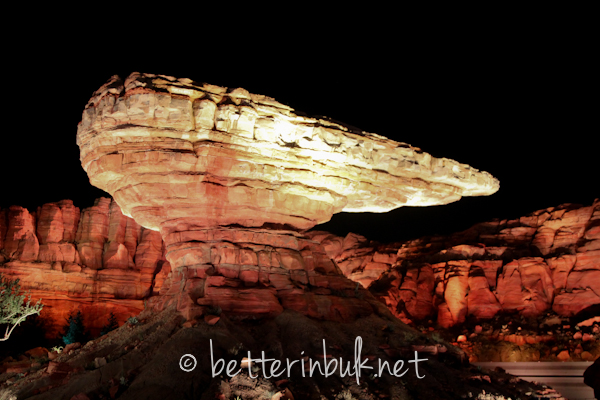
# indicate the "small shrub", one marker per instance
pixel 236 349
pixel 13 311
pixel 74 331
pixel 41 360
pixel 111 324
pixel 133 321
pixel 410 336
pixel 436 337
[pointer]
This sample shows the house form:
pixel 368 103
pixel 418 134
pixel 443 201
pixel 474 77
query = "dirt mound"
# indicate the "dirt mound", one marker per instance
pixel 146 357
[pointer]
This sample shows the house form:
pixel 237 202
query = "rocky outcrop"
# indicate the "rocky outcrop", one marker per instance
pixel 359 258
pixel 230 179
pixel 548 260
pixel 227 156
pixel 96 260
pixel 99 260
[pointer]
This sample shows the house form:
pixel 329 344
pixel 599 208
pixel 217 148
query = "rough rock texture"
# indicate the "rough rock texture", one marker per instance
pixel 170 149
pixel 229 178
pixel 549 259
pixel 357 257
pixel 96 260
pixel 495 279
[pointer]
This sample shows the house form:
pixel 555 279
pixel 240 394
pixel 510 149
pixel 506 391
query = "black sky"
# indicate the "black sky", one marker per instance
pixel 520 107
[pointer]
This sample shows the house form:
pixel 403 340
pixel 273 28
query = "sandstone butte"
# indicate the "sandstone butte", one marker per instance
pixel 231 180
pixel 546 261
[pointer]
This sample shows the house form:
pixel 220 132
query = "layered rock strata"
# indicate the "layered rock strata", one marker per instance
pixel 95 260
pixel 230 178
pixel 547 260
pixel 64 274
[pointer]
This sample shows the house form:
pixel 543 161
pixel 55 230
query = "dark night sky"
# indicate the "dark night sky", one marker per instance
pixel 518 107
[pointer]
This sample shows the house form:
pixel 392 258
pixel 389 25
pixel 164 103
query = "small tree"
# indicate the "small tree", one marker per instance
pixel 13 309
pixel 111 325
pixel 74 330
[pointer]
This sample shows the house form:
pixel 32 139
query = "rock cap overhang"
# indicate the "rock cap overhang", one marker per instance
pixel 167 148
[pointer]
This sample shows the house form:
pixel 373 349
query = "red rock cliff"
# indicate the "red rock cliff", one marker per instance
pixel 99 260
pixel 96 260
pixel 549 259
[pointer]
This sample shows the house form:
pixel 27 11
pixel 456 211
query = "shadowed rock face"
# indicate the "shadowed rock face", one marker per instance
pixel 229 178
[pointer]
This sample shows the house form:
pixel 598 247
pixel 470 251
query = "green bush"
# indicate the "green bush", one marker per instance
pixel 13 309
pixel 74 331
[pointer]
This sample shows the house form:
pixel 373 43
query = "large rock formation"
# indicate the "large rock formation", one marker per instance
pixel 103 261
pixel 66 285
pixel 190 161
pixel 547 260
pixel 230 178
pixel 96 260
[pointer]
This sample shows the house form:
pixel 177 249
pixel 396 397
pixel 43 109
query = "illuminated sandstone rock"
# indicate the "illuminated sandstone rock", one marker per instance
pixel 56 230
pixel 68 284
pixel 21 241
pixel 93 233
pixel 113 266
pixel 481 302
pixel 549 259
pixel 525 285
pixel 358 258
pixel 230 178
pixel 172 149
